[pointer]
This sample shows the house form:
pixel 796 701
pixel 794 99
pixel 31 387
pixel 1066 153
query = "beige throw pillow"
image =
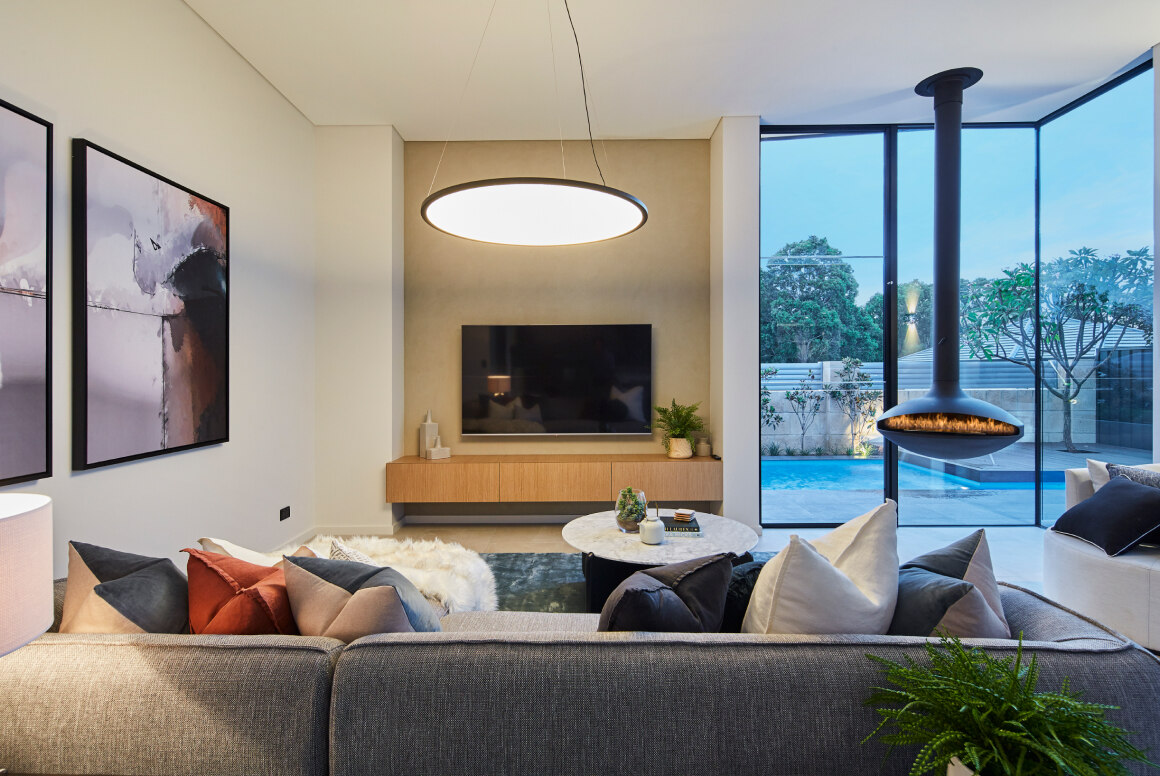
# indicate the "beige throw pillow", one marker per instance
pixel 843 582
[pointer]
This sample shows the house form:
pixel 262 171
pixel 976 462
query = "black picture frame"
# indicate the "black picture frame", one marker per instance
pixel 25 429
pixel 151 263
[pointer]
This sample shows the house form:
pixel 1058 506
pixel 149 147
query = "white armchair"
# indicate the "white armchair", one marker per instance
pixel 1121 592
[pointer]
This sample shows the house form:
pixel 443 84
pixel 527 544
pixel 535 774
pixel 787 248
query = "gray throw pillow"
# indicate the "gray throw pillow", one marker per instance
pixel 951 590
pixel 109 591
pixel 687 597
pixel 1142 476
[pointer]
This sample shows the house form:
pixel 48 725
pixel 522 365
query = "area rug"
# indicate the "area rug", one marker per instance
pixel 537 581
pixel 543 581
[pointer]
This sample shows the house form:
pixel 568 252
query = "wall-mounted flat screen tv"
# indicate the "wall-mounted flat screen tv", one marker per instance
pixel 557 379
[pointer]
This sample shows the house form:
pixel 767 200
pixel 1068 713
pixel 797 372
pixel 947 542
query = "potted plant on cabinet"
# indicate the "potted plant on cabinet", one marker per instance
pixel 679 422
pixel 973 713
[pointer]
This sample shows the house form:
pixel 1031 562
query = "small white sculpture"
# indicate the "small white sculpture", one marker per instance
pixel 437 451
pixel 428 435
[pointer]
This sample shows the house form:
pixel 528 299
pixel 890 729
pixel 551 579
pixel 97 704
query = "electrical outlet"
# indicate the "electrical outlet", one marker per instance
pixel 284 513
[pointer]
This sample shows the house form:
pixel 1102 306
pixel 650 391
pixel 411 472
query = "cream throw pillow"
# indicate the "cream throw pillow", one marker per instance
pixel 222 547
pixel 1099 471
pixel 843 582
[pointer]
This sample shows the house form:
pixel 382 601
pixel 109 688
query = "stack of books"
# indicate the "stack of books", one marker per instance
pixel 682 524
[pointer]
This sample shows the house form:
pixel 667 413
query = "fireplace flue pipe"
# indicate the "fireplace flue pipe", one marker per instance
pixel 946 423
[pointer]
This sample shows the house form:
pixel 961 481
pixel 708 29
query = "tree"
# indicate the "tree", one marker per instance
pixel 805 403
pixel 808 308
pixel 769 416
pixel 1087 304
pixel 855 399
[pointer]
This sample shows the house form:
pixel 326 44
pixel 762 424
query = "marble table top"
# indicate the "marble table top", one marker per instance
pixel 598 534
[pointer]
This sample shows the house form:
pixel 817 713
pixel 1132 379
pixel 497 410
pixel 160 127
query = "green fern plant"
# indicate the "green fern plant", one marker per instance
pixel 679 420
pixel 986 712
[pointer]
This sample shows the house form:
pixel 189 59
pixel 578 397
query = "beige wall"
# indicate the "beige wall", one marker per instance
pixel 359 335
pixel 657 275
pixel 149 80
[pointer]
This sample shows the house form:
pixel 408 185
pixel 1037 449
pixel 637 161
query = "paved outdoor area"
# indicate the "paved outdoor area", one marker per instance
pixel 1021 457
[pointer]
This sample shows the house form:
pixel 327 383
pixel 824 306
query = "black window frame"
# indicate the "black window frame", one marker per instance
pixel 889 132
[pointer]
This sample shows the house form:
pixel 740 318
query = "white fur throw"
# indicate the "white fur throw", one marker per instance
pixel 458 578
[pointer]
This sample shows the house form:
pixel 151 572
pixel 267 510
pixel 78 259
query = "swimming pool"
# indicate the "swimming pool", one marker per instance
pixel 866 474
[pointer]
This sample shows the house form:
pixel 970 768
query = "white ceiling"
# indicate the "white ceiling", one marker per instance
pixel 671 68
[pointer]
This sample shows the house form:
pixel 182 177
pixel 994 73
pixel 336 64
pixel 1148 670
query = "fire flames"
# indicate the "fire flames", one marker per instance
pixel 948 423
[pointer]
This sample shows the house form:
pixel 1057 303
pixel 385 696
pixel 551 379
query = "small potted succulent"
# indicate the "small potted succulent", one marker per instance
pixel 679 422
pixel 974 713
pixel 630 510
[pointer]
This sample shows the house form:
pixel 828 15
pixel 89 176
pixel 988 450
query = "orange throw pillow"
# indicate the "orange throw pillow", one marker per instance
pixel 231 596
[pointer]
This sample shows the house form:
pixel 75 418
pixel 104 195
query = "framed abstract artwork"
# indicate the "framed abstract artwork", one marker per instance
pixel 151 313
pixel 25 296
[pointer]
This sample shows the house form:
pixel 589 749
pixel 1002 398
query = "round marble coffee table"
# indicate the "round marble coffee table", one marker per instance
pixel 598 534
pixel 611 556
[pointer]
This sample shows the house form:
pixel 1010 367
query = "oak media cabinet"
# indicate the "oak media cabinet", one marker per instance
pixel 548 478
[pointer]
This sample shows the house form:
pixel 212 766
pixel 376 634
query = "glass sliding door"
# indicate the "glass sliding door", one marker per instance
pixel 998 237
pixel 821 328
pixel 1096 279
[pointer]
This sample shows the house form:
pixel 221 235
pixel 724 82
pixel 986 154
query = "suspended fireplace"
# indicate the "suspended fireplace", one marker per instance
pixel 946 423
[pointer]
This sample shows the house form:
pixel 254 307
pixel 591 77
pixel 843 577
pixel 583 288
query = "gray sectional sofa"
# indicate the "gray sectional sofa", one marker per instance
pixel 501 693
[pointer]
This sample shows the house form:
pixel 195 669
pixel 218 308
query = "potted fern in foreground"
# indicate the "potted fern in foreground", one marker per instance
pixel 679 422
pixel 971 712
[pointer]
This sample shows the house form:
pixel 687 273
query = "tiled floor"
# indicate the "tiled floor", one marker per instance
pixel 1017 553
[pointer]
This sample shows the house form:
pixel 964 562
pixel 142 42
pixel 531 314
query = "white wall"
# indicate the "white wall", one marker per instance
pixel 149 80
pixel 359 345
pixel 734 207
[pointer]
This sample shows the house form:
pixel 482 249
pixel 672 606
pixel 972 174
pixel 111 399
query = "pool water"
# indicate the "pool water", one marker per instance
pixel 866 474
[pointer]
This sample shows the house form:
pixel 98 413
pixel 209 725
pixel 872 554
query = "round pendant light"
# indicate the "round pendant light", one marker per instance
pixel 534 211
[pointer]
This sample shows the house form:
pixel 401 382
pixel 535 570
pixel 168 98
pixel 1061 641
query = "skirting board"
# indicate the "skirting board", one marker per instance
pixel 486 519
pixel 375 529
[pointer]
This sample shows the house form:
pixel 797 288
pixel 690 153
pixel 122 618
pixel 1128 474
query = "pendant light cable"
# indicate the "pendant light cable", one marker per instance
pixel 556 84
pixel 463 94
pixel 584 88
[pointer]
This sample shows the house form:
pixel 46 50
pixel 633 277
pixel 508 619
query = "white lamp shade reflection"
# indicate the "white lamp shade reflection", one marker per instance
pixel 25 568
pixel 497 384
pixel 534 211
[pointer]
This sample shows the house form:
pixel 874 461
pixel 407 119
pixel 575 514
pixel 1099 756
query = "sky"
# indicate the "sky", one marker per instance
pixel 1096 169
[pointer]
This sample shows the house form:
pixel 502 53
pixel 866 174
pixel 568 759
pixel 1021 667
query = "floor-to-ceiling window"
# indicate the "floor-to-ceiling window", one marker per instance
pixel 998 233
pixel 1095 283
pixel 1056 325
pixel 821 326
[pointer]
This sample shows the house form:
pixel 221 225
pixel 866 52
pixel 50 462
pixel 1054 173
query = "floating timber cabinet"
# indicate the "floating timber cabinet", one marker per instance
pixel 545 478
